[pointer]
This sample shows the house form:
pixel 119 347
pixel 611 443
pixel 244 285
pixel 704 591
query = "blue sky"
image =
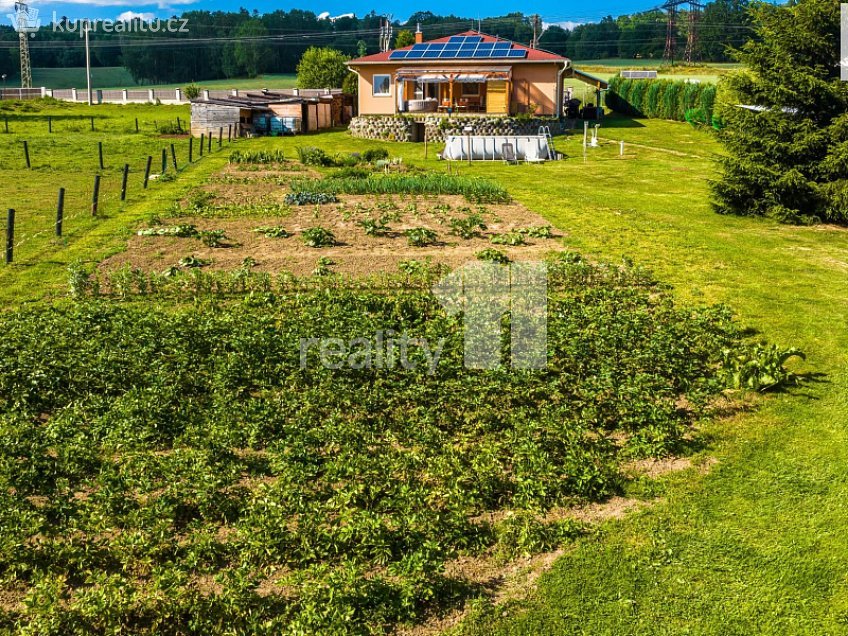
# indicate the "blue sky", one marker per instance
pixel 551 11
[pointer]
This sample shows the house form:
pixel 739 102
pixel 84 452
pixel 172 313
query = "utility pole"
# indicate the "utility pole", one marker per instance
pixel 88 64
pixel 536 21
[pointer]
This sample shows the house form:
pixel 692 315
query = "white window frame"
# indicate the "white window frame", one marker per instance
pixel 374 83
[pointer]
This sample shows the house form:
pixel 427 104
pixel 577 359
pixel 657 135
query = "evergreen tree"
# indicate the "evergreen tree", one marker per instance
pixel 788 157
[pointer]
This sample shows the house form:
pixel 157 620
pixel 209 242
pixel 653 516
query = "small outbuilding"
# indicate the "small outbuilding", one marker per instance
pixel 270 113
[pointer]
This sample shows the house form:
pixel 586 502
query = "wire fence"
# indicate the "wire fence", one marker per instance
pixel 120 172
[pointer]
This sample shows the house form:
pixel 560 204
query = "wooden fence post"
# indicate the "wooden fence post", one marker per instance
pixel 6 120
pixel 164 161
pixel 190 149
pixel 147 171
pixel 60 211
pixel 49 124
pixel 209 143
pixel 136 124
pixel 92 123
pixel 220 136
pixel 96 196
pixel 202 142
pixel 174 157
pixel 10 235
pixel 124 182
pixel 26 154
pixel 229 133
pixel 100 154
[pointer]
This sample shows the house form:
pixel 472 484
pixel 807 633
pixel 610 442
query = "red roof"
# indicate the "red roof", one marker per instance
pixel 533 55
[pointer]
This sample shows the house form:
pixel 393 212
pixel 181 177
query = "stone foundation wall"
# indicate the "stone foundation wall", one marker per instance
pixel 400 128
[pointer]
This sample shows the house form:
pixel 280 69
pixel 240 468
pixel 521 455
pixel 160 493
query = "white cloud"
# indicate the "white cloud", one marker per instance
pixel 568 25
pixel 129 16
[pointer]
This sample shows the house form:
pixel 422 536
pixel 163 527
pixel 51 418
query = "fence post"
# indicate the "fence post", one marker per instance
pixel 49 124
pixel 60 211
pixel 190 148
pixel 124 182
pixel 202 142
pixel 174 157
pixel 100 154
pixel 6 120
pixel 220 136
pixel 147 171
pixel 96 196
pixel 179 125
pixel 229 133
pixel 164 161
pixel 26 154
pixel 10 235
pixel 209 143
pixel 92 123
pixel 136 124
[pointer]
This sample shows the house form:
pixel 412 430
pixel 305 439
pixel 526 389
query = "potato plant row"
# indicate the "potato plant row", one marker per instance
pixel 185 468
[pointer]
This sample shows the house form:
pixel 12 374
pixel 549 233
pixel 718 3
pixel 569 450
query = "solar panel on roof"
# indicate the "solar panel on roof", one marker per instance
pixel 398 55
pixel 415 54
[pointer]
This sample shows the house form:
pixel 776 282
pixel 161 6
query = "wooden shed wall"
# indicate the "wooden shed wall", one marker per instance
pixel 211 117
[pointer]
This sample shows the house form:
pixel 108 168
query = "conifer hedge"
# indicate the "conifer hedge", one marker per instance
pixel 662 99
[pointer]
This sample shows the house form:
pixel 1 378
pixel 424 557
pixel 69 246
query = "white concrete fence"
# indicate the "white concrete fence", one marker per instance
pixel 146 95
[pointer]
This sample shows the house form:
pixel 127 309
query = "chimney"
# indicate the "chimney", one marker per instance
pixel 419 37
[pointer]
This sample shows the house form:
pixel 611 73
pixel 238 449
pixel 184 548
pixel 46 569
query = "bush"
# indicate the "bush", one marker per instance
pixel 192 91
pixel 322 68
pixel 375 154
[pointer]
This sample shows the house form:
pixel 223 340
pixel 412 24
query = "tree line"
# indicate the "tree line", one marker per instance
pixel 223 44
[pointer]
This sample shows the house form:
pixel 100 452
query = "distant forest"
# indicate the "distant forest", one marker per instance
pixel 237 44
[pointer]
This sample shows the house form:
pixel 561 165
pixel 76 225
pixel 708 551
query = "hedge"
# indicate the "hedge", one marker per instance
pixel 662 99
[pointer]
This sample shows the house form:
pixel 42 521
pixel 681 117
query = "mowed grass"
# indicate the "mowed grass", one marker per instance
pixel 702 72
pixel 116 77
pixel 68 158
pixel 759 543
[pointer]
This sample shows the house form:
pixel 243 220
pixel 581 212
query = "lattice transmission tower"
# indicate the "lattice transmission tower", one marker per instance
pixel 693 18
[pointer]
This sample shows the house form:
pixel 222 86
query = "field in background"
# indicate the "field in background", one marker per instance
pixel 707 72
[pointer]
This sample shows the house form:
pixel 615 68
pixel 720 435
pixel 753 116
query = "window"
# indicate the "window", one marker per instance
pixel 382 85
pixel 470 89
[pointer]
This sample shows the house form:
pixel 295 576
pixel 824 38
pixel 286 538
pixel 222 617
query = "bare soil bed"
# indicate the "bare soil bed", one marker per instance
pixel 356 252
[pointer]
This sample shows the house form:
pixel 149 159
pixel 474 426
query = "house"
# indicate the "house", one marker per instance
pixel 270 112
pixel 470 72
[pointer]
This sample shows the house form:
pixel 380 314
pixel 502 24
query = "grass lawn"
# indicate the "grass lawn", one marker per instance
pixel 607 68
pixel 758 544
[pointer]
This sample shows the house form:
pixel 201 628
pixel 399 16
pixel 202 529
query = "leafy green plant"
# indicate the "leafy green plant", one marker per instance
pixel 212 238
pixel 541 231
pixel 510 238
pixel 760 367
pixel 523 534
pixel 193 261
pixel 323 267
pixel 375 227
pixel 311 156
pixel 468 227
pixel 272 231
pixel 420 236
pixel 493 256
pixel 473 189
pixel 257 156
pixel 318 237
pixel 310 198
pixel 180 231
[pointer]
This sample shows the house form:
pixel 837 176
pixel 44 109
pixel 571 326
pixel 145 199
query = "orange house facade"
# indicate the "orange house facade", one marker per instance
pixel 466 73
